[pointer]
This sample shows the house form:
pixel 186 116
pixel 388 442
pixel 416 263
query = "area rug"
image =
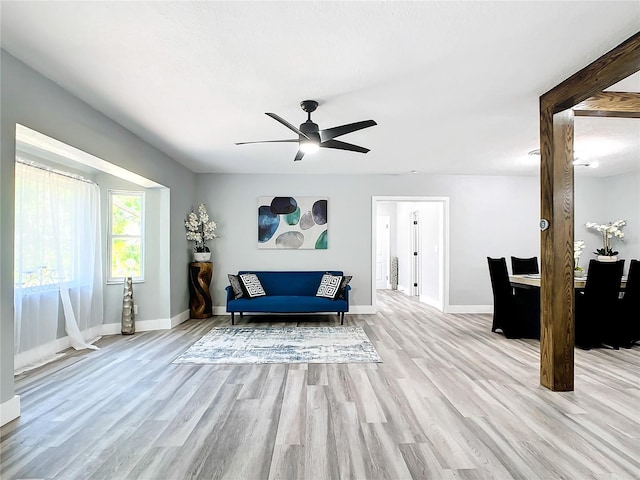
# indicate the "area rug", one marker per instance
pixel 244 345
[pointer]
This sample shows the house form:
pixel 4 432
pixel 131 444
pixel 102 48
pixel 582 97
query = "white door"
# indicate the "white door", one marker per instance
pixel 383 244
pixel 415 261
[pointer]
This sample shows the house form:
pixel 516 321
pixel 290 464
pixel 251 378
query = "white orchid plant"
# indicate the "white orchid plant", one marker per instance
pixel 608 231
pixel 578 247
pixel 200 228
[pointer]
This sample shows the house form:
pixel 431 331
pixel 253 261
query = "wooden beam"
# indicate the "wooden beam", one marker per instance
pixel 557 196
pixel 556 291
pixel 610 104
pixel 616 65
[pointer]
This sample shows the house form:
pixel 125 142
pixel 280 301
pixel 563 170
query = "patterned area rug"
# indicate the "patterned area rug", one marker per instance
pixel 282 345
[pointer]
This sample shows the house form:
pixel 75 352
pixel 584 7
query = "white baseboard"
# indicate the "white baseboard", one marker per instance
pixel 180 318
pixel 141 326
pixel 148 325
pixel 220 310
pixel 469 309
pixel 362 309
pixel 10 410
pixel 39 355
pixel 432 302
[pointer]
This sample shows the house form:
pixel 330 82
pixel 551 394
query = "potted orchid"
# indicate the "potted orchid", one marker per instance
pixel 578 247
pixel 199 229
pixel 608 232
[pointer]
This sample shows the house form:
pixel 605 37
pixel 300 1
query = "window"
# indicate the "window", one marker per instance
pixel 126 236
pixel 55 222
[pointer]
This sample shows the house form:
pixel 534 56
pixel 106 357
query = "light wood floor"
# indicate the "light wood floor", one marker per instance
pixel 451 400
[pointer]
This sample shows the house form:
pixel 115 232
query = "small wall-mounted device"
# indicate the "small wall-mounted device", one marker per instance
pixel 544 224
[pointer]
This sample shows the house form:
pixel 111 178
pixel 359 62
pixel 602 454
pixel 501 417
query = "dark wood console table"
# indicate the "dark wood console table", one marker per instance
pixel 200 274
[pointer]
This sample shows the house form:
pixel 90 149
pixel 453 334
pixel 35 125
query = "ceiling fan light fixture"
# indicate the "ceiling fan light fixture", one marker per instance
pixel 309 146
pixel 311 138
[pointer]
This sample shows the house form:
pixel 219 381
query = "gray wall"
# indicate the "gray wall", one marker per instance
pixel 32 100
pixel 623 203
pixel 603 200
pixel 489 216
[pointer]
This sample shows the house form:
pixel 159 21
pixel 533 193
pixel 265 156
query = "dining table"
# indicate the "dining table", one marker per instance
pixel 526 289
pixel 533 281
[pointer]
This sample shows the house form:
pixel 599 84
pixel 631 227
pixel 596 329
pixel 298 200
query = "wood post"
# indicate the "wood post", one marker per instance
pixel 557 292
pixel 556 192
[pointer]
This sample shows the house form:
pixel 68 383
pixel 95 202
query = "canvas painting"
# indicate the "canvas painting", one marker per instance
pixel 292 222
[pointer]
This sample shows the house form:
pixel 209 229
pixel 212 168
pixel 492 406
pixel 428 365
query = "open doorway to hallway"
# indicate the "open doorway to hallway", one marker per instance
pixel 410 238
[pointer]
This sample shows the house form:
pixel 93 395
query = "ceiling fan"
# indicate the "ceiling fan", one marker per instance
pixel 310 137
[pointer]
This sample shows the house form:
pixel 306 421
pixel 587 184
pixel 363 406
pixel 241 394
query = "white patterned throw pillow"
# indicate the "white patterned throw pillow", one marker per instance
pixel 329 286
pixel 252 285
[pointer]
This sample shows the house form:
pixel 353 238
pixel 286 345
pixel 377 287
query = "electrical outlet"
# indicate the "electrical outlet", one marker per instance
pixel 135 309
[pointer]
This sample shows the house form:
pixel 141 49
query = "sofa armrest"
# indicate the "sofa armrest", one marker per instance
pixel 229 293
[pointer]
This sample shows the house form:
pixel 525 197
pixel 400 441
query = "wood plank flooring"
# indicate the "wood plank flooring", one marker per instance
pixel 451 401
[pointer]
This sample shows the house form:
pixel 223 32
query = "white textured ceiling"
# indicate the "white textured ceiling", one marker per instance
pixel 454 86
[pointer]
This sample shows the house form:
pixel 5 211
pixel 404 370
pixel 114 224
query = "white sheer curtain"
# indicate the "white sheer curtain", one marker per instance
pixel 58 267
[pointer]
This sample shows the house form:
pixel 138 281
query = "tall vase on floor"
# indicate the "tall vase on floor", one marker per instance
pixel 128 326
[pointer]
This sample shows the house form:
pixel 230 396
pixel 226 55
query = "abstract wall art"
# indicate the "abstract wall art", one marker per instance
pixel 292 222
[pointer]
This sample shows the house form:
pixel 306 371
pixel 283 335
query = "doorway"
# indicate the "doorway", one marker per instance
pixel 417 242
pixel 415 253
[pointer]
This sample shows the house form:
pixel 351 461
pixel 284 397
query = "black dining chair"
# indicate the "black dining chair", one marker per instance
pixel 630 308
pixel 524 266
pixel 597 306
pixel 528 296
pixel 506 309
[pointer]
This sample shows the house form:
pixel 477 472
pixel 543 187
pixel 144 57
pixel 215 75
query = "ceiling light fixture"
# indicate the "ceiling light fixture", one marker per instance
pixel 576 160
pixel 309 146
pixel 581 163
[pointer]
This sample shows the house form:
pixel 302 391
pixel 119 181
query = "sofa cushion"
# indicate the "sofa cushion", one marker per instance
pixel 343 287
pixel 236 286
pixel 329 286
pixel 287 304
pixel 252 285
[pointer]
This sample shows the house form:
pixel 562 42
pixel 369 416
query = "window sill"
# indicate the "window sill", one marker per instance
pixel 120 281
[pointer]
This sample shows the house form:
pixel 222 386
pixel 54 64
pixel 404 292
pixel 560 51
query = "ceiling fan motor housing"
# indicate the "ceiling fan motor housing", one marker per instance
pixel 311 130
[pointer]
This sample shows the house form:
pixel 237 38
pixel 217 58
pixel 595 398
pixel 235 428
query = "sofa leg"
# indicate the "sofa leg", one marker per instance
pixel 341 318
pixel 233 318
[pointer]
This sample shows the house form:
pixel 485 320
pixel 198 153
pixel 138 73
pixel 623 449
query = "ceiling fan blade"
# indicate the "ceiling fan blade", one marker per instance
pixel 343 146
pixel 269 141
pixel 286 124
pixel 334 132
pixel 299 156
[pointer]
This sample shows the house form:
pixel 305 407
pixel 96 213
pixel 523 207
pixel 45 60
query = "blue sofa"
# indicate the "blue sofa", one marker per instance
pixel 288 292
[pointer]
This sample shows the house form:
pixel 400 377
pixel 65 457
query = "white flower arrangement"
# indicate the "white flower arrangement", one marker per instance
pixel 608 231
pixel 200 228
pixel 578 247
